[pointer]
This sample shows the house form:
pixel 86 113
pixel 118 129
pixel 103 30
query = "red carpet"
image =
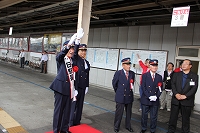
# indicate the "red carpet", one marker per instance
pixel 83 128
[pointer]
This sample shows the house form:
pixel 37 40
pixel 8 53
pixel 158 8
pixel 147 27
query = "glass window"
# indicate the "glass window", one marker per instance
pixel 36 43
pixel 52 42
pixel 191 52
pixel 3 42
pixel 18 43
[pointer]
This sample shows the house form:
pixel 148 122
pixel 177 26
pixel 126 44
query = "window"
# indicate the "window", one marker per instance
pixel 191 52
pixel 36 43
pixel 18 43
pixel 3 42
pixel 52 42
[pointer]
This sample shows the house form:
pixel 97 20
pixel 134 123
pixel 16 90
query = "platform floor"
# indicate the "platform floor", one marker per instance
pixel 26 98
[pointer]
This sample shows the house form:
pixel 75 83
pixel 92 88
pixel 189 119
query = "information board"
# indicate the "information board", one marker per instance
pixel 103 58
pixel 161 56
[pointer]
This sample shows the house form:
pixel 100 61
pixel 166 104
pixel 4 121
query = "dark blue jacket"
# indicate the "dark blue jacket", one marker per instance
pixel 82 76
pixel 150 88
pixel 124 93
pixel 61 83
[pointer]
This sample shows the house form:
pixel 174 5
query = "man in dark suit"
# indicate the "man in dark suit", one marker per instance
pixel 123 86
pixel 63 90
pixel 81 82
pixel 184 87
pixel 151 87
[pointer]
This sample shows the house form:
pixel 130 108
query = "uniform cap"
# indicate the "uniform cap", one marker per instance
pixel 82 46
pixel 126 61
pixel 153 62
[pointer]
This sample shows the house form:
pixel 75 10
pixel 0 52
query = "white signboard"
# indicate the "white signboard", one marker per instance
pixel 180 16
pixel 161 56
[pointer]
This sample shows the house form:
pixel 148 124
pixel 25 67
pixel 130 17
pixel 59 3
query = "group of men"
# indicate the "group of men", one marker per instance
pixel 178 88
pixel 43 61
pixel 71 84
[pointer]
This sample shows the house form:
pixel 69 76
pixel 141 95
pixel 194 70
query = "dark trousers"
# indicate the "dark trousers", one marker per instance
pixel 22 59
pixel 61 114
pixel 153 117
pixel 185 112
pixel 44 66
pixel 119 113
pixel 77 108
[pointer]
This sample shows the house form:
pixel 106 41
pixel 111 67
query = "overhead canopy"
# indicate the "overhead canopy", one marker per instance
pixel 55 15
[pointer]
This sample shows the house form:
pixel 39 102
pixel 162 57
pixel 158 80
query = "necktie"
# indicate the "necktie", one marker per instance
pixel 126 75
pixel 153 76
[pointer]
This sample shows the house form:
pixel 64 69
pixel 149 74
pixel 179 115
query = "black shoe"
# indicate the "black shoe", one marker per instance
pixel 152 132
pixel 142 131
pixel 116 130
pixel 65 132
pixel 130 129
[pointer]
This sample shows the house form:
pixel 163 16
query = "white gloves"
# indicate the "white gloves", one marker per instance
pixel 153 98
pixel 75 94
pixel 72 39
pixel 80 34
pixel 86 90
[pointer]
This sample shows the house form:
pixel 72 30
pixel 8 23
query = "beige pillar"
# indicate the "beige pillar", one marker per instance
pixel 84 15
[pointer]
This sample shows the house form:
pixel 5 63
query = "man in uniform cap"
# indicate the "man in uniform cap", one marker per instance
pixel 81 80
pixel 123 86
pixel 151 87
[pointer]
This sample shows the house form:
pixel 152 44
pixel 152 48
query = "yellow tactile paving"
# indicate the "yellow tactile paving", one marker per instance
pixel 10 124
pixel 18 129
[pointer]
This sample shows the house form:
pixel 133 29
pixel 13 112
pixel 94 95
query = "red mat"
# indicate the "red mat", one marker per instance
pixel 83 128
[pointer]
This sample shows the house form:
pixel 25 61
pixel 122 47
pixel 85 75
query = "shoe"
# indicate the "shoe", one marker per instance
pixel 168 110
pixel 130 129
pixel 116 130
pixel 142 131
pixel 65 132
pixel 152 132
pixel 161 108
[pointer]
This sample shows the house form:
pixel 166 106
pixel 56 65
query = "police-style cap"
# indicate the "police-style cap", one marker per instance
pixel 66 42
pixel 153 62
pixel 126 61
pixel 83 46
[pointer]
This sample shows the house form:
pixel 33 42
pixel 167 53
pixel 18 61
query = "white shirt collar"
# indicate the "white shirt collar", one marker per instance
pixel 152 73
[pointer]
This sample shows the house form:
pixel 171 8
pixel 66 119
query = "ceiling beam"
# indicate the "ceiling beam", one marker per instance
pixel 46 1
pixel 7 3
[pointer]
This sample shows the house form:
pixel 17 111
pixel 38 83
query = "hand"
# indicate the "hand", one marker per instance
pixel 178 96
pixel 153 98
pixel 72 39
pixel 86 90
pixel 183 97
pixel 80 33
pixel 75 93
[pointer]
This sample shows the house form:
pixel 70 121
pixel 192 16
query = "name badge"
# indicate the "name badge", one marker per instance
pixel 192 83
pixel 168 78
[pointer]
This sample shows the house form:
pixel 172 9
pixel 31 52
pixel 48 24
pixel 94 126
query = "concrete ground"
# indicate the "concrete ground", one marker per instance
pixel 24 95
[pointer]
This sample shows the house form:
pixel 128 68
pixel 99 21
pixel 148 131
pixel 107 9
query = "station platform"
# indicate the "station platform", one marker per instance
pixel 27 100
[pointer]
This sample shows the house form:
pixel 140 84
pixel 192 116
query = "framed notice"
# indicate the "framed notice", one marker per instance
pixel 103 58
pixel 161 56
pixel 180 16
